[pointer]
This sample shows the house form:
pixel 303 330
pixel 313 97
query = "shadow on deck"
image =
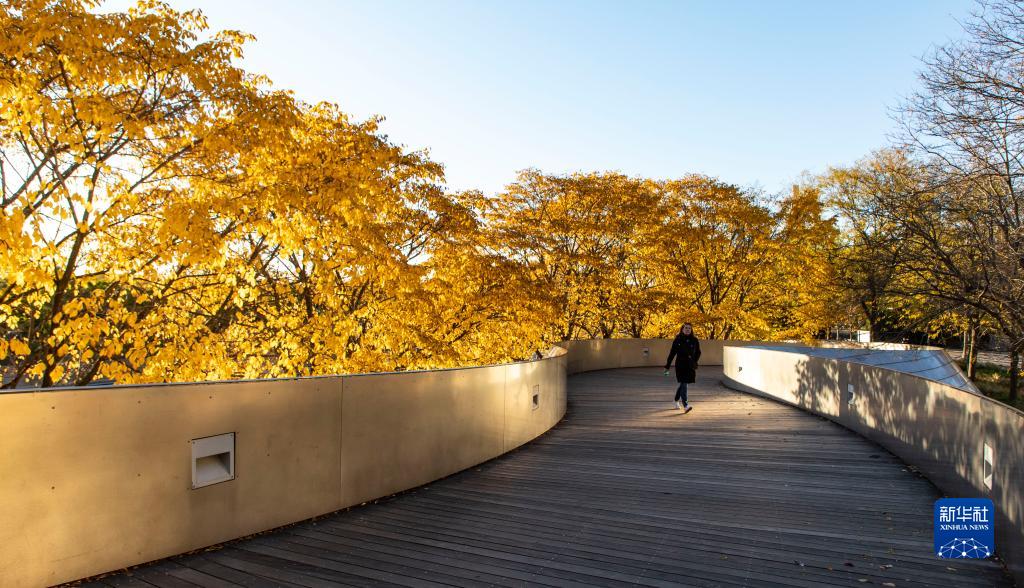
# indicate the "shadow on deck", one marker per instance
pixel 626 491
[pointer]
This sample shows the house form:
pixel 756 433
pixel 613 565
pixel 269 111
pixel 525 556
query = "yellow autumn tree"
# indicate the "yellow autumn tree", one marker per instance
pixel 318 276
pixel 739 267
pixel 104 121
pixel 574 235
pixel 807 293
pixel 716 250
pixel 168 216
pixel 622 256
pixel 479 306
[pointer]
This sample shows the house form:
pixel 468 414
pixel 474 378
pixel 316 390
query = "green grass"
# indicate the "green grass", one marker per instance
pixel 994 382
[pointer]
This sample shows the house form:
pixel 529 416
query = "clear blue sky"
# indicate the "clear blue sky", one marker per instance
pixel 752 92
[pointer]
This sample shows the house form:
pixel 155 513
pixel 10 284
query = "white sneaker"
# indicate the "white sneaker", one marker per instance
pixel 679 405
pixel 688 408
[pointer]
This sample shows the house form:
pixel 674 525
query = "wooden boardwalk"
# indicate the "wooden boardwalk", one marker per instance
pixel 626 491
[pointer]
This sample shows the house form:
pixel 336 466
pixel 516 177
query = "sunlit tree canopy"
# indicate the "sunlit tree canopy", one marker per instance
pixel 168 215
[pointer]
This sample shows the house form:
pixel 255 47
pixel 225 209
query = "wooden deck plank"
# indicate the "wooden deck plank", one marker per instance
pixel 589 543
pixel 297 573
pixel 628 491
pixel 199 578
pixel 126 580
pixel 164 575
pixel 211 568
pixel 638 545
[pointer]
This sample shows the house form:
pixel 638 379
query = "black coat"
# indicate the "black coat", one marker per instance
pixel 686 351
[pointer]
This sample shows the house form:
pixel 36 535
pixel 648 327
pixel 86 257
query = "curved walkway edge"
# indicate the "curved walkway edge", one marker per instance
pixel 626 491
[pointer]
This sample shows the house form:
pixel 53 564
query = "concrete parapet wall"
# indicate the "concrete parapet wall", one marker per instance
pixel 98 479
pixel 940 429
pixel 606 354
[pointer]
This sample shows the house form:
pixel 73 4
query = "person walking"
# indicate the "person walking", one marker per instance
pixel 686 352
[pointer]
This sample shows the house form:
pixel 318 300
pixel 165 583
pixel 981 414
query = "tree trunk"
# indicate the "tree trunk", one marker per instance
pixel 972 351
pixel 1014 373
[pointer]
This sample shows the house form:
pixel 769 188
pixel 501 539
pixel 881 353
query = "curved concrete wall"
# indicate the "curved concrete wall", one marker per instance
pixel 98 479
pixel 929 363
pixel 605 354
pixel 940 429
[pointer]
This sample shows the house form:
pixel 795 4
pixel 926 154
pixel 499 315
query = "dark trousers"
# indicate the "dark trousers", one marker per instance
pixel 681 392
